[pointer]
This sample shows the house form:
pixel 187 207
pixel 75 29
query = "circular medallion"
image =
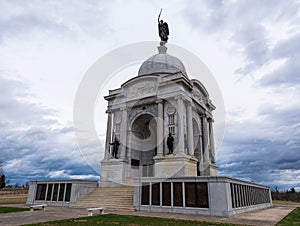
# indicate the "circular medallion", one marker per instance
pixel 171 110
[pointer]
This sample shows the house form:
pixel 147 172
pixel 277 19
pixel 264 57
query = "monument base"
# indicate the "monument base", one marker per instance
pixel 114 173
pixel 175 165
pixel 210 196
pixel 210 169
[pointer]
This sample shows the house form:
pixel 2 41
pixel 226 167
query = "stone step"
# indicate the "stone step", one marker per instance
pixel 108 207
pixel 109 198
pixel 105 206
pixel 110 194
pixel 123 192
pixel 106 202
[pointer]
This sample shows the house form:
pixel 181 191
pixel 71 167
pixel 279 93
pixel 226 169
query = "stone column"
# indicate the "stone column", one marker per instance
pixel 190 129
pixel 123 132
pixel 180 134
pixel 160 129
pixel 129 144
pixel 211 139
pixel 108 135
pixel 205 141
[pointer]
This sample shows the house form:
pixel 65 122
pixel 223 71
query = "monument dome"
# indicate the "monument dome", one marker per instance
pixel 162 63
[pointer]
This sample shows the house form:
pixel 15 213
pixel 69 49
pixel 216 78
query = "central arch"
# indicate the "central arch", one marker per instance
pixel 143 144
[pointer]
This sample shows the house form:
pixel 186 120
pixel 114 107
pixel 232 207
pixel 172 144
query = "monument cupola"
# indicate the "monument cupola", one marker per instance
pixel 162 63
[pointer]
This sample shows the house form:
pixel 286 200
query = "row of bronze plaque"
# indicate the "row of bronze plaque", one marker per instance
pixel 195 194
pixel 244 195
pixel 54 192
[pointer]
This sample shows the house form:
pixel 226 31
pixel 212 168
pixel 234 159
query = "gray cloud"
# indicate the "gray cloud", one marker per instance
pixel 259 150
pixel 243 23
pixel 33 147
pixel 288 73
pixel 19 18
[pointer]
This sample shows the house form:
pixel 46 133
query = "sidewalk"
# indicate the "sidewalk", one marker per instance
pixel 264 217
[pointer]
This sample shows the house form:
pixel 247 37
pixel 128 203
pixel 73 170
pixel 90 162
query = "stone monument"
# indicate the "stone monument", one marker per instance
pixel 160 140
pixel 160 101
pixel 164 122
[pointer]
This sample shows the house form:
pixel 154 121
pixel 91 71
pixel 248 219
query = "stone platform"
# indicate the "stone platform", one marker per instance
pixel 209 196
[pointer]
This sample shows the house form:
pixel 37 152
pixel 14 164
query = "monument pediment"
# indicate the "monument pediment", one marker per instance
pixel 199 92
pixel 139 88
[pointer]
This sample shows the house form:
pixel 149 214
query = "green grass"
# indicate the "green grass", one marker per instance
pixel 113 219
pixel 11 209
pixel 292 219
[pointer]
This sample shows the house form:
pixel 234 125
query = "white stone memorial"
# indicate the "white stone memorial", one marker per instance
pixel 160 139
pixel 161 100
pixel 159 142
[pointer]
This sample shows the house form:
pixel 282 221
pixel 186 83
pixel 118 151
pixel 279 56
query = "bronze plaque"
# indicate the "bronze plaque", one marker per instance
pixel 41 192
pixel 55 192
pixel 49 192
pixel 196 194
pixel 202 195
pixel 68 192
pixel 190 194
pixel 166 194
pixel 156 194
pixel 145 194
pixel 61 192
pixel 177 192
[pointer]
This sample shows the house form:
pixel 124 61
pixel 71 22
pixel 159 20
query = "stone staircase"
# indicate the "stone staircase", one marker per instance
pixel 108 197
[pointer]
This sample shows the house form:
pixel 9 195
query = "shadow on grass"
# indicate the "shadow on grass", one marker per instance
pixel 11 209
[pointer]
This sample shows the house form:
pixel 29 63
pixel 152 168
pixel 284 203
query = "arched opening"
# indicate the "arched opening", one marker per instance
pixel 143 144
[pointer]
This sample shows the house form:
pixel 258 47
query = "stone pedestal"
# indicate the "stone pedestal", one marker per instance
pixel 174 165
pixel 210 169
pixel 114 173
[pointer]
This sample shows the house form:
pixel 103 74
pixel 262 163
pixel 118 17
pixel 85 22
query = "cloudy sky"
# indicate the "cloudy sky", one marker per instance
pixel 251 47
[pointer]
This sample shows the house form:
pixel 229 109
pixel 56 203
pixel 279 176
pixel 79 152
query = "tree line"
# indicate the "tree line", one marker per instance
pixel 287 195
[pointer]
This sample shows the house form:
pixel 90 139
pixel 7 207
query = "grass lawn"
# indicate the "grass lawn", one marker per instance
pixel 13 199
pixel 292 219
pixel 11 209
pixel 113 219
pixel 290 203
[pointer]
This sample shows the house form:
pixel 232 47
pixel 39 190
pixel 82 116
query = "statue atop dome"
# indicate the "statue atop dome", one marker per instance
pixel 163 29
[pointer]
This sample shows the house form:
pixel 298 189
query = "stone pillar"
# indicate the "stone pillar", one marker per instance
pixel 190 129
pixel 180 134
pixel 205 142
pixel 211 139
pixel 108 134
pixel 129 144
pixel 160 129
pixel 123 132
